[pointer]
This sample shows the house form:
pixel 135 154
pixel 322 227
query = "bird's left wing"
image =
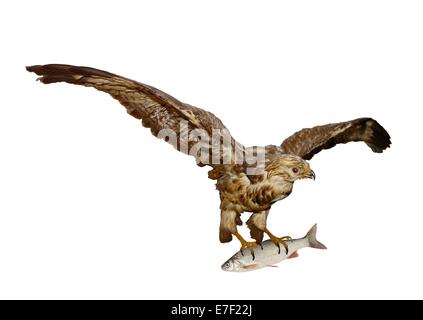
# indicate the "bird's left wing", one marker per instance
pixel 307 142
pixel 187 128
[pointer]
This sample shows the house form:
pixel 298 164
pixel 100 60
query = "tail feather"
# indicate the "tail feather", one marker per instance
pixel 311 237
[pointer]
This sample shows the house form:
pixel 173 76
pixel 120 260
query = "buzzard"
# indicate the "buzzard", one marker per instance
pixel 249 179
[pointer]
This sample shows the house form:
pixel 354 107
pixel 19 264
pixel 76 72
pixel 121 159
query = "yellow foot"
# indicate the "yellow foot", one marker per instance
pixel 249 246
pixel 278 241
pixel 246 245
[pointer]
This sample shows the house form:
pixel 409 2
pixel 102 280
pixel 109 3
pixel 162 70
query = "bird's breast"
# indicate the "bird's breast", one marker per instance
pixel 253 197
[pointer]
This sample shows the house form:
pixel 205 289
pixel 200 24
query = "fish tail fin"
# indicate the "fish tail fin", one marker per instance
pixel 311 237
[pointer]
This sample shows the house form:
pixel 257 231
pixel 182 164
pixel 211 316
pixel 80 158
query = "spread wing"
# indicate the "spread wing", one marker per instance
pixel 187 128
pixel 307 142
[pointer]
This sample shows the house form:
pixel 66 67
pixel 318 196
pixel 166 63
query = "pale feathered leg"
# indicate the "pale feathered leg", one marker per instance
pixel 229 219
pixel 257 223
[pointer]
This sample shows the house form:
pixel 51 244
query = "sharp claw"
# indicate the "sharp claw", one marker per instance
pixel 279 248
pixel 254 256
pixel 242 252
pixel 261 246
pixel 286 247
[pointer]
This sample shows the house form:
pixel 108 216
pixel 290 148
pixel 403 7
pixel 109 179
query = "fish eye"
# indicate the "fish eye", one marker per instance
pixel 227 266
pixel 295 170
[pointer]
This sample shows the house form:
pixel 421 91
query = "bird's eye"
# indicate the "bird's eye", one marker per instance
pixel 295 170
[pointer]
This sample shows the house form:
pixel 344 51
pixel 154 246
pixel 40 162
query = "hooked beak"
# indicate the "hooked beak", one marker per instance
pixel 311 175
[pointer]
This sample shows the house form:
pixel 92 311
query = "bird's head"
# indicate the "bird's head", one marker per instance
pixel 290 168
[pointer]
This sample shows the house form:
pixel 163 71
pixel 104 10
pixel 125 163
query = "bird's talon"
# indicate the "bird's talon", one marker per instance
pixel 246 245
pixel 277 241
pixel 249 245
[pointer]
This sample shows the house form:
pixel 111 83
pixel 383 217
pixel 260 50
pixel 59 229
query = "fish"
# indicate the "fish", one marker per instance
pixel 268 254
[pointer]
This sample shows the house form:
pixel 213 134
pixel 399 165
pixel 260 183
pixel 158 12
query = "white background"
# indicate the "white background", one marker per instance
pixel 93 206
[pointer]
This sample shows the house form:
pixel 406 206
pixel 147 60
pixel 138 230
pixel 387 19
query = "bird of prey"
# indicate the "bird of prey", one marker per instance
pixel 249 179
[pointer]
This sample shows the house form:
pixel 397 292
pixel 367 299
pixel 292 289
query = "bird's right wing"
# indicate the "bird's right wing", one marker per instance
pixel 189 129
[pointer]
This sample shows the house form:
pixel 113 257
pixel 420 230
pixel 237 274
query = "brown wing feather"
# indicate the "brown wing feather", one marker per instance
pixel 156 109
pixel 307 142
